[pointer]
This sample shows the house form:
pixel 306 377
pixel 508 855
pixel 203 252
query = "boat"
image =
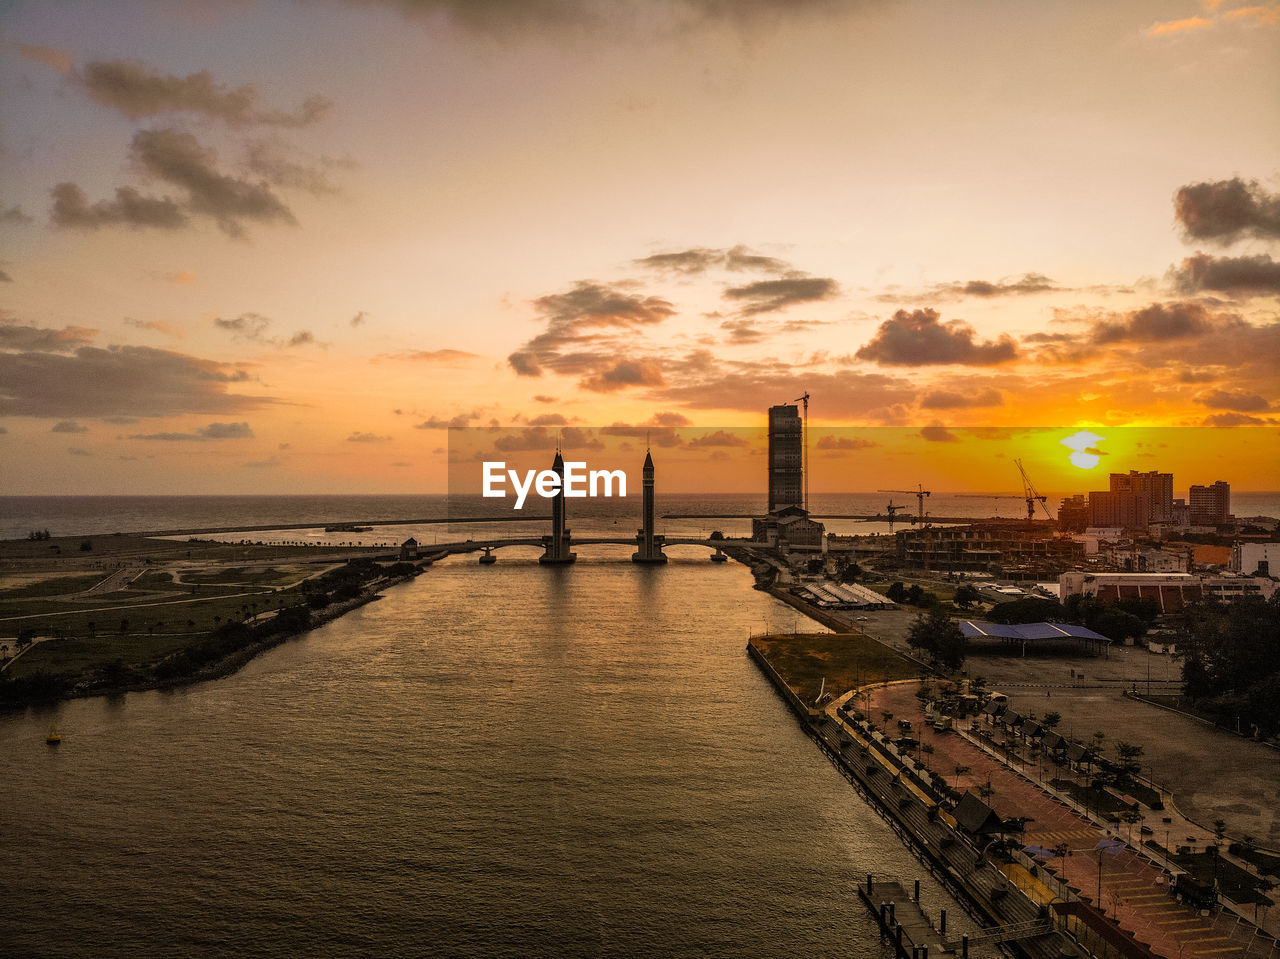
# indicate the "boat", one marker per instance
pixel 54 737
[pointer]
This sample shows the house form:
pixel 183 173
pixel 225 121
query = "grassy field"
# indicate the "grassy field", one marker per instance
pixel 844 660
pixel 155 614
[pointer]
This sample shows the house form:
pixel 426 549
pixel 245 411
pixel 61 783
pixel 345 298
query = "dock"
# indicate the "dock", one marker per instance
pixel 904 923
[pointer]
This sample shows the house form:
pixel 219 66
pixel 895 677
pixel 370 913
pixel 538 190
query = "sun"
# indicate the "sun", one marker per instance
pixel 1084 451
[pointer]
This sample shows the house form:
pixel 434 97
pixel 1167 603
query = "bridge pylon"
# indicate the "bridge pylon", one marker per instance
pixel 648 544
pixel 555 548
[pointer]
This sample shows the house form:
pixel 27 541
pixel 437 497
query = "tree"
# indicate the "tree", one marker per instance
pixel 851 573
pixel 897 593
pixel 935 633
pixel 966 596
pixel 1129 762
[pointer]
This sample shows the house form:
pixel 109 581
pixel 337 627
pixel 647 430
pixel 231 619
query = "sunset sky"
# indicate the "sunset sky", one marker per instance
pixel 261 246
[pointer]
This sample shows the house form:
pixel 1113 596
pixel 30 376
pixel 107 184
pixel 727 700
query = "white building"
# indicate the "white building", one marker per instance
pixel 1172 591
pixel 1251 558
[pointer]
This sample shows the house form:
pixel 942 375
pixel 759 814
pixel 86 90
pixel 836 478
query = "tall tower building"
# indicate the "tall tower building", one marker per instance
pixel 1155 486
pixel 555 548
pixel 1210 504
pixel 786 457
pixel 648 544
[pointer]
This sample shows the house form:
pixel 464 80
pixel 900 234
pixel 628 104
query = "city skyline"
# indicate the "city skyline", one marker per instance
pixel 281 247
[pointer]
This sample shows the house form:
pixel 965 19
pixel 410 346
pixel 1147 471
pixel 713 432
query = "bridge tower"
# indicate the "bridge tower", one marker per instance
pixel 648 545
pixel 555 548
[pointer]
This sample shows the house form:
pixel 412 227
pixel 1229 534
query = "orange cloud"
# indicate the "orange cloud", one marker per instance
pixel 1179 26
pixel 1261 16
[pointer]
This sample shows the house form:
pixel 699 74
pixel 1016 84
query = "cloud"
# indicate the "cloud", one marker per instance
pixel 770 296
pixel 429 356
pixel 1259 15
pixel 520 19
pixel 1159 322
pixel 1235 400
pixel 752 386
pixel 268 463
pixel 717 439
pixel 919 339
pixel 544 398
pixel 71 209
pixel 1027 283
pixel 536 438
pixel 624 373
pixel 1178 26
pixel 14 337
pixel 214 431
pixel 118 381
pixel 844 443
pixel 179 277
pixel 701 259
pixel 68 426
pixel 952 400
pixel 271 159
pixel 252 327
pixel 1227 210
pixel 159 326
pixel 13 214
pixel 360 318
pixel 697 260
pixel 77 451
pixel 438 423
pixel 359 437
pixel 589 330
pixel 178 159
pixel 1251 275
pixel 549 419
pixel 5 277
pixel 138 91
pixel 246 326
pixel 52 57
pixel 938 434
pixel 1234 419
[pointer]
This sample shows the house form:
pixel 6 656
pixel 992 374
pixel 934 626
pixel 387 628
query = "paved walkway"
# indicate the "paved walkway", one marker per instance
pixel 1133 891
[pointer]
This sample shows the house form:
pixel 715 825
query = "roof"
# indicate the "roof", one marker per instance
pixel 976 817
pixel 1025 631
pixel 410 542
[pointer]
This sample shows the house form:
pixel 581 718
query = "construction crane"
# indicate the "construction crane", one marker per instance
pixel 804 456
pixel 892 510
pixel 1032 495
pixel 919 493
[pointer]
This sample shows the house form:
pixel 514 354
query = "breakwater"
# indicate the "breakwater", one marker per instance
pixel 889 784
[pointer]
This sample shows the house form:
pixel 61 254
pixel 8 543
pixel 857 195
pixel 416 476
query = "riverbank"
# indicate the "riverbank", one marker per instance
pixel 235 603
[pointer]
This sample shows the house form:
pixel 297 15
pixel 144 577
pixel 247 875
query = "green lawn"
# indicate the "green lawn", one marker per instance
pixel 844 660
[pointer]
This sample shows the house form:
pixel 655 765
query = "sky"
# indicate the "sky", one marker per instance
pixel 280 246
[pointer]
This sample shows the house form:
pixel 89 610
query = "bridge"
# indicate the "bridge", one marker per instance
pixel 488 546
pixel 557 548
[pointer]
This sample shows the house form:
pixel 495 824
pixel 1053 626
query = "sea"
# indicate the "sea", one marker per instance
pixel 510 760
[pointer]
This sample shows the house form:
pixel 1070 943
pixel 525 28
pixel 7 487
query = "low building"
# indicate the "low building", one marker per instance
pixel 1007 548
pixel 1256 559
pixel 789 527
pixel 1172 591
pixel 409 550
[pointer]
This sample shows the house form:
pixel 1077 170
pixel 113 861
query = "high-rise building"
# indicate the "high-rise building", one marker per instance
pixel 786 457
pixel 1155 486
pixel 1122 509
pixel 1210 504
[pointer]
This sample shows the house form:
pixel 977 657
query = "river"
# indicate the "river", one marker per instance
pixel 503 761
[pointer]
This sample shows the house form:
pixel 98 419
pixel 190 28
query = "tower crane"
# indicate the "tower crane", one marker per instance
pixel 804 454
pixel 919 493
pixel 892 511
pixel 1032 495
